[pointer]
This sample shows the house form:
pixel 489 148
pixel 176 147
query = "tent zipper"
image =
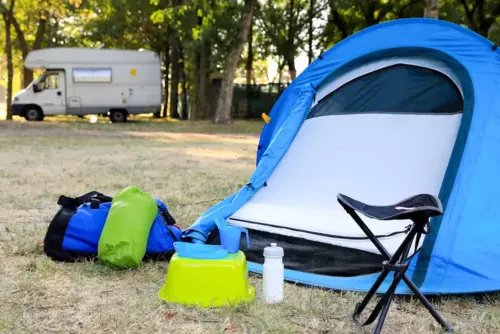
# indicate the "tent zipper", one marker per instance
pixel 405 231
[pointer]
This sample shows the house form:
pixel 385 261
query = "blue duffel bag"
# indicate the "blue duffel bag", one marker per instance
pixel 74 232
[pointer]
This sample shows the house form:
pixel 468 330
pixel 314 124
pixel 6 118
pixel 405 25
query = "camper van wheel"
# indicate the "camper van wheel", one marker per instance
pixel 118 116
pixel 33 113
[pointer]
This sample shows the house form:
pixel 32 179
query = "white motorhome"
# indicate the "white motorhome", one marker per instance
pixel 78 81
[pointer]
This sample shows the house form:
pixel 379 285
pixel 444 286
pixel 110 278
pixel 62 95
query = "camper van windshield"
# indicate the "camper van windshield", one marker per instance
pixel 47 81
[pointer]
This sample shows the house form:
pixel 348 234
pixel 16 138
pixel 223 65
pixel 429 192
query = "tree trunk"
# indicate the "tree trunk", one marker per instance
pixel 249 67
pixel 201 76
pixel 476 16
pixel 159 52
pixel 174 79
pixel 197 71
pixel 290 52
pixel 166 64
pixel 197 79
pixel 368 9
pixel 431 9
pixel 223 112
pixel 23 45
pixel 204 75
pixel 290 62
pixel 201 81
pixel 182 78
pixel 338 21
pixel 27 76
pixel 483 23
pixel 249 63
pixel 310 37
pixel 8 53
pixel 483 29
pixel 37 44
pixel 281 64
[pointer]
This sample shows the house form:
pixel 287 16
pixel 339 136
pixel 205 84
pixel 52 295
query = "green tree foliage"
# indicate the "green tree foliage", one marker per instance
pixel 124 24
pixel 349 16
pixel 30 22
pixel 482 16
pixel 207 32
pixel 282 22
pixel 201 40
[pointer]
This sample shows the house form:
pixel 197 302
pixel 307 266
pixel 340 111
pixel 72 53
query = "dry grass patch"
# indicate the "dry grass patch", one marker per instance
pixel 182 164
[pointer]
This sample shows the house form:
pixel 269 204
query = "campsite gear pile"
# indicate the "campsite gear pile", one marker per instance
pixel 209 275
pixel 419 209
pixel 404 107
pixel 75 232
pixel 273 274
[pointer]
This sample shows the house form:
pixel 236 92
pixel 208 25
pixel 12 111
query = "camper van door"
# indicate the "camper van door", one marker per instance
pixel 50 93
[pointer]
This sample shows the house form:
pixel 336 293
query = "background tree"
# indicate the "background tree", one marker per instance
pixel 188 41
pixel 480 15
pixel 130 24
pixel 175 76
pixel 223 113
pixel 349 16
pixel 201 41
pixel 201 64
pixel 183 81
pixel 281 23
pixel 431 9
pixel 27 40
pixel 7 16
pixel 30 20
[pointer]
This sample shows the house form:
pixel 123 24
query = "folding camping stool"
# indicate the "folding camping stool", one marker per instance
pixel 419 209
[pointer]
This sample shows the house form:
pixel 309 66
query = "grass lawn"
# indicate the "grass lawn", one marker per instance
pixel 182 164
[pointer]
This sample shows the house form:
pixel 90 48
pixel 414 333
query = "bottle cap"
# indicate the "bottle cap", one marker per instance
pixel 273 251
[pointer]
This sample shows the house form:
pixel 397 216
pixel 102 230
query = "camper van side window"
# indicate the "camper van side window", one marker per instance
pixel 91 75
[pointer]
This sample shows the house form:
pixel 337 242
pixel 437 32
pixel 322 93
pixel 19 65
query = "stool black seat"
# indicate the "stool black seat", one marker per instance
pixel 419 209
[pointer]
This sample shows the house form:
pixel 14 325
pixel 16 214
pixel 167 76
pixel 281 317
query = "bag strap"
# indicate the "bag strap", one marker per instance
pixel 93 197
pixel 167 217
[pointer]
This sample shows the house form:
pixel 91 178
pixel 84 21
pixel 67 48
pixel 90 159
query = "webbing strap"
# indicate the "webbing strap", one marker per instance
pixel 75 202
pixel 169 220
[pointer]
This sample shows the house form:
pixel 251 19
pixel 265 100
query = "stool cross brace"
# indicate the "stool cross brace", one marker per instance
pixel 397 263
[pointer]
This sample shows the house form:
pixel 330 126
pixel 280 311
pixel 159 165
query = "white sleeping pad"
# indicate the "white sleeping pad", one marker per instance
pixel 378 159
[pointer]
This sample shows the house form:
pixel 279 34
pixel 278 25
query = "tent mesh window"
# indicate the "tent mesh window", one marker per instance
pixel 402 89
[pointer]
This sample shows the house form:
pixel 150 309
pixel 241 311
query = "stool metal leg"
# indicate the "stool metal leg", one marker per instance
pixel 382 307
pixel 435 314
pixel 383 315
pixel 384 303
pixel 387 305
pixel 392 260
pixel 361 305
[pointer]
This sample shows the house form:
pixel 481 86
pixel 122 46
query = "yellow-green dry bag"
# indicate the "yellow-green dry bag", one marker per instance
pixel 125 234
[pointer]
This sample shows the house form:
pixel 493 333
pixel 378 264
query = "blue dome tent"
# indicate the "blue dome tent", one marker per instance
pixel 404 107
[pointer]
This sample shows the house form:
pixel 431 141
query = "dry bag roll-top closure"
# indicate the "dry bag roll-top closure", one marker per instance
pixel 125 234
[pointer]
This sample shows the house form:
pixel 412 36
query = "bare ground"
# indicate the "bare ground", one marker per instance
pixel 182 164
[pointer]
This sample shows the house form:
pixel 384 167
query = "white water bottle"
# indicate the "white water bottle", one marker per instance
pixel 273 274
